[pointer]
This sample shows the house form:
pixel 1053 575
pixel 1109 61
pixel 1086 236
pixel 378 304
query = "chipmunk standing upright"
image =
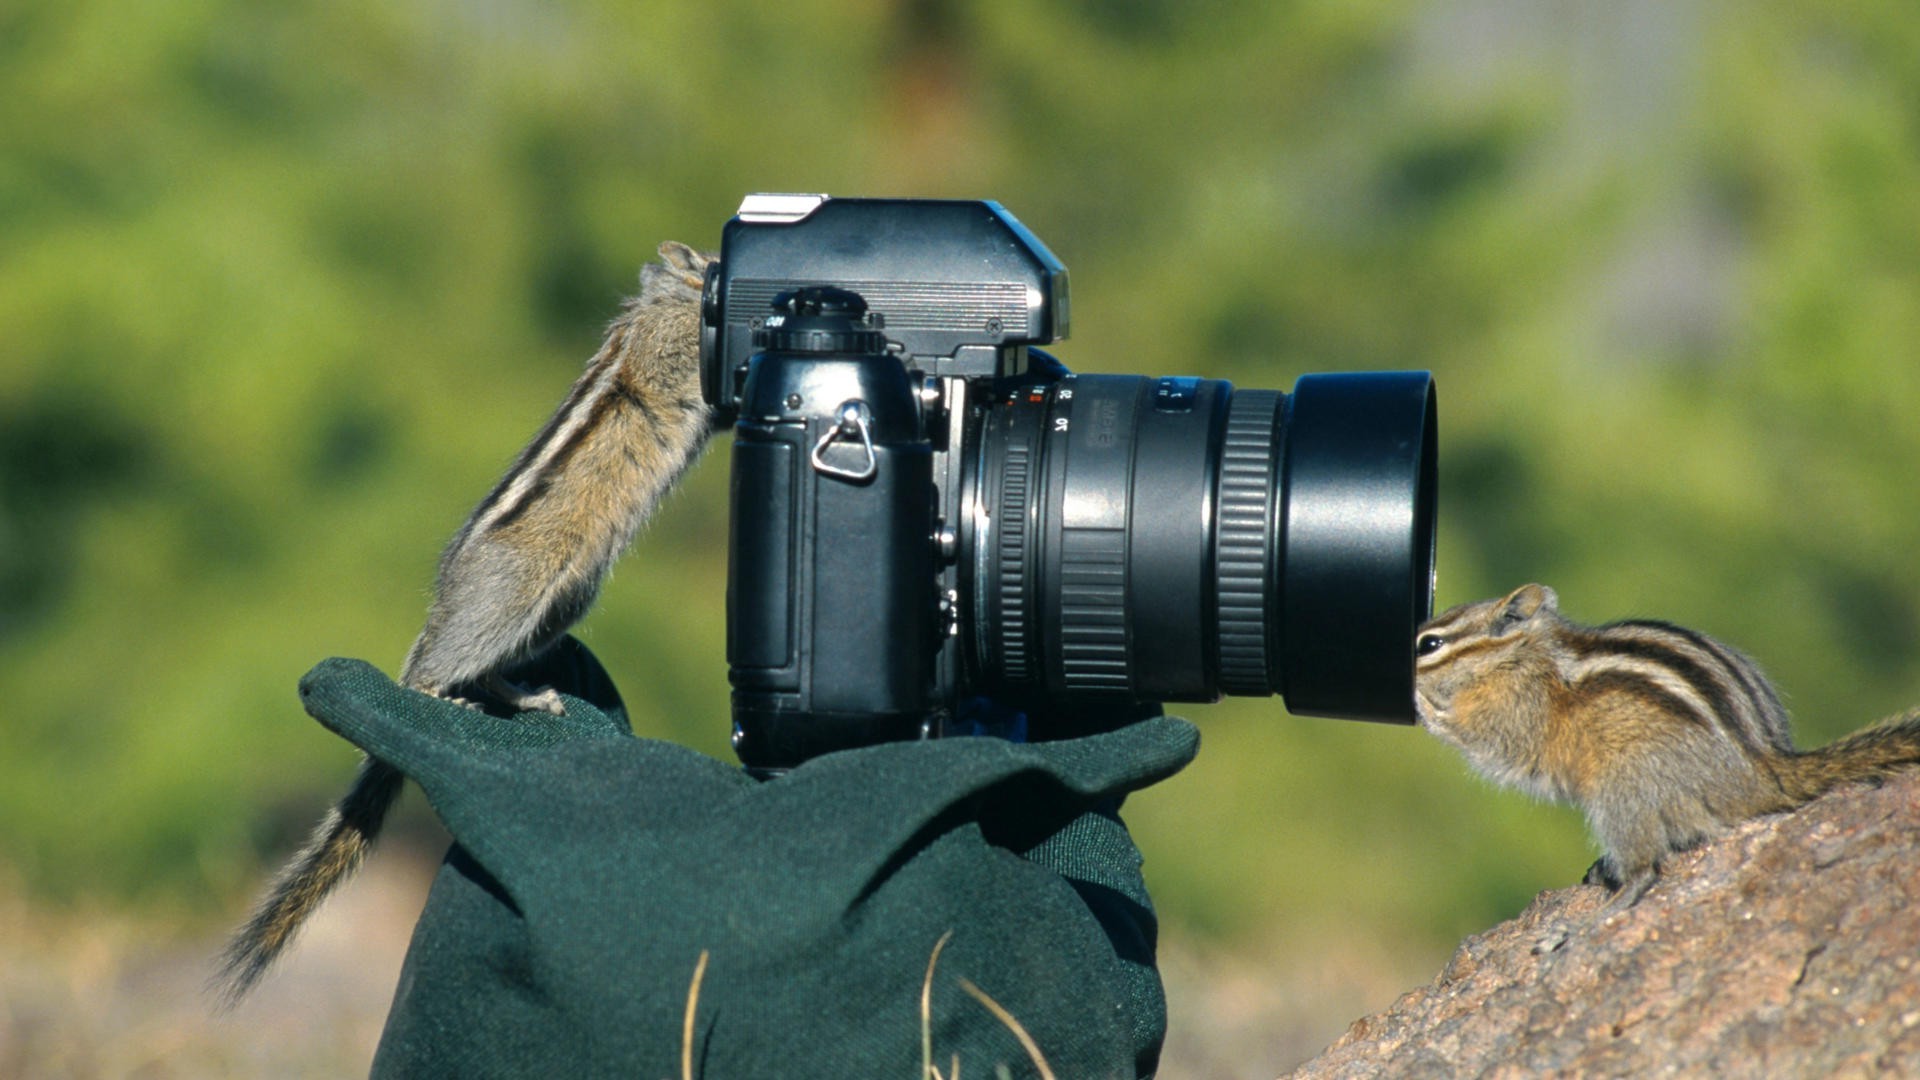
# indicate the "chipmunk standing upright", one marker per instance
pixel 1663 736
pixel 527 564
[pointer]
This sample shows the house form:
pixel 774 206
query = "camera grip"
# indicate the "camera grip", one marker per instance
pixel 831 609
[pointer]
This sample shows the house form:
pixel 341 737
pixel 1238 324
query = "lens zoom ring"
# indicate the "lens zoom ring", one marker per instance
pixel 1093 616
pixel 1011 555
pixel 1246 541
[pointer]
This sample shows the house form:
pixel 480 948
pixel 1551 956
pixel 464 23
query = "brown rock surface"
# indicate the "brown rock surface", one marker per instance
pixel 1790 947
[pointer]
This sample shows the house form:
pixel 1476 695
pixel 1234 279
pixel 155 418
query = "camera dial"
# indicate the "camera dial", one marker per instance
pixel 819 319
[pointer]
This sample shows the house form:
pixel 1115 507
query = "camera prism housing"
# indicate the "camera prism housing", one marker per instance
pixel 937 529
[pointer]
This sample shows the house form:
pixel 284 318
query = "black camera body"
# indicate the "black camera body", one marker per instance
pixel 937 529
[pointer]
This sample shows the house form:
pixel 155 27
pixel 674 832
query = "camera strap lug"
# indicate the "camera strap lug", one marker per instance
pixel 854 419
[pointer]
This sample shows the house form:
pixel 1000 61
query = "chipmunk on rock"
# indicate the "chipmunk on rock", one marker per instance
pixel 527 564
pixel 1663 736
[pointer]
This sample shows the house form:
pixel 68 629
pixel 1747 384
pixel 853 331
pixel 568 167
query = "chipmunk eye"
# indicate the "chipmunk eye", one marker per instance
pixel 1428 643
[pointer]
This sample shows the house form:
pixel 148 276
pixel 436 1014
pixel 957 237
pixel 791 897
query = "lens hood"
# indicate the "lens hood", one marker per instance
pixel 1357 539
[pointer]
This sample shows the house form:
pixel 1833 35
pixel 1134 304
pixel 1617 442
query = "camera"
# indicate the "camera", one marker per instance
pixel 936 528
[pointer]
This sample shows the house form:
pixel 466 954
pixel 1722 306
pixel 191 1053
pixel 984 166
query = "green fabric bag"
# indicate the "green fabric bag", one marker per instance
pixel 592 870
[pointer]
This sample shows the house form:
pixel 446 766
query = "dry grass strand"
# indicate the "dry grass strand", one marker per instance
pixel 1005 1017
pixel 693 1007
pixel 927 1068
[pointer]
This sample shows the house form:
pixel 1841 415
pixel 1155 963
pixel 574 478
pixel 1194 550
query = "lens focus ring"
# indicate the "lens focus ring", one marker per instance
pixel 1246 536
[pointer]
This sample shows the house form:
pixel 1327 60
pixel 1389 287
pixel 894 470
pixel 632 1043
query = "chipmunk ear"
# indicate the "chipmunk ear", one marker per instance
pixel 1525 602
pixel 680 257
pixel 679 275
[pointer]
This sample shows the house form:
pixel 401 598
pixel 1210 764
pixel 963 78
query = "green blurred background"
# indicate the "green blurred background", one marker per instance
pixel 284 285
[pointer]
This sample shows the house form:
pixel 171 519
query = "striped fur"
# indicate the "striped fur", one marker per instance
pixel 527 564
pixel 532 557
pixel 1662 735
pixel 1711 685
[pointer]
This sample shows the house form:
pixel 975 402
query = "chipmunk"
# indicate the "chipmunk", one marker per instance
pixel 1663 736
pixel 525 567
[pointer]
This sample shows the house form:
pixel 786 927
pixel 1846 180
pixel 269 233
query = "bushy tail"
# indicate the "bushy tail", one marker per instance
pixel 1868 754
pixel 334 852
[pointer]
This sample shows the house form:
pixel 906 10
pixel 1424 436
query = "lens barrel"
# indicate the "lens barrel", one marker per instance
pixel 1175 539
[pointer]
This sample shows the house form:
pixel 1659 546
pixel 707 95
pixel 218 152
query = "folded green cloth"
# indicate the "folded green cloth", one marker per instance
pixel 592 870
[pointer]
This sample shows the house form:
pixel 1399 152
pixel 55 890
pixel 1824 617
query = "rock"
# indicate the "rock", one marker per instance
pixel 1789 947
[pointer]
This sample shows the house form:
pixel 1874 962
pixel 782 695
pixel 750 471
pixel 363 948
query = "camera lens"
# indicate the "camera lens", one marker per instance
pixel 1175 539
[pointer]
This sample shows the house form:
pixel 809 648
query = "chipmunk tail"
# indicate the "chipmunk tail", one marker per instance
pixel 1868 755
pixel 336 849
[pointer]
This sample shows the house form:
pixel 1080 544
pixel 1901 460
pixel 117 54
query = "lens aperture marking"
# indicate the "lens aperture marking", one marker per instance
pixel 1245 538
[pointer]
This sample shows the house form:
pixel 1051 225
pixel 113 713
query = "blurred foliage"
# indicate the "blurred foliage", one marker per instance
pixel 285 285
